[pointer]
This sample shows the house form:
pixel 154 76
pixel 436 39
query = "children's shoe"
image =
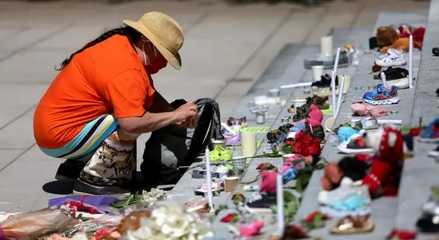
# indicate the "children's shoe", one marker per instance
pixel 397 77
pixel 264 204
pixel 355 144
pixel 393 57
pixel 434 153
pixel 382 95
pixel 431 132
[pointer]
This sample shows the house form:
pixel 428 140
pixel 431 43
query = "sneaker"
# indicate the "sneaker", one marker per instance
pixel 434 153
pixel 397 77
pixel 393 57
pixel 82 186
pixel 355 144
pixel 431 132
pixel 382 95
pixel 69 170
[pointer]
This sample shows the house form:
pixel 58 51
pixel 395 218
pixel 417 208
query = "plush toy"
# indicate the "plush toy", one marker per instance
pixel 398 38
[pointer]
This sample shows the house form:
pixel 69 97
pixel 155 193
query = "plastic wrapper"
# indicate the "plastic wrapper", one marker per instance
pixel 36 224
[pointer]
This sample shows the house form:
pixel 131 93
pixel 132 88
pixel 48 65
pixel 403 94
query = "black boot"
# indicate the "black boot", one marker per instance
pixel 69 170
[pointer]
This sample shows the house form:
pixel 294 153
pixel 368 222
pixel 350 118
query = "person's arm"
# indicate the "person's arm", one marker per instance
pixel 160 104
pixel 152 121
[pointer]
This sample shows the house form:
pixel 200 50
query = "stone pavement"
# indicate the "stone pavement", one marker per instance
pixel 227 47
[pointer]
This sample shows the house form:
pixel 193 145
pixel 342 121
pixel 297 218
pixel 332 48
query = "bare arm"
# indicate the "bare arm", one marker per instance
pixel 160 104
pixel 152 121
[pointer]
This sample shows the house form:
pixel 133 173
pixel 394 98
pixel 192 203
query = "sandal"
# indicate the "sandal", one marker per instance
pixel 353 225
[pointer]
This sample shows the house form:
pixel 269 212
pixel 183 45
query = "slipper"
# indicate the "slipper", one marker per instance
pixel 353 225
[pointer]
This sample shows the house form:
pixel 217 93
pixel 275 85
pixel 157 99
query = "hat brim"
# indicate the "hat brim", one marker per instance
pixel 173 58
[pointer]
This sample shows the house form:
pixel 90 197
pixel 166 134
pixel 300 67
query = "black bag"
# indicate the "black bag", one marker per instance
pixel 171 148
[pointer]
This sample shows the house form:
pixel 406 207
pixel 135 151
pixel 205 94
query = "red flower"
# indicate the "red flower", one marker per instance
pixel 230 218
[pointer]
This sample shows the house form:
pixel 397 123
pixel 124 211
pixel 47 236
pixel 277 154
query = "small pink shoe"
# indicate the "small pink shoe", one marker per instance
pixel 363 109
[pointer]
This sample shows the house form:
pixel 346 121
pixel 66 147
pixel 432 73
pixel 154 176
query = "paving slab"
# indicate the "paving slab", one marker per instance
pixel 16 99
pixel 8 155
pixel 32 66
pixel 72 38
pixel 22 191
pixel 420 172
pixel 18 134
pixel 29 37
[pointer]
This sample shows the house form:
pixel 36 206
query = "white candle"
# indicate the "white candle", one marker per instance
pixel 317 72
pixel 411 61
pixel 209 181
pixel 248 143
pixel 334 75
pixel 340 96
pixel 383 79
pixel 296 85
pixel 280 202
pixel 326 46
pixel 347 83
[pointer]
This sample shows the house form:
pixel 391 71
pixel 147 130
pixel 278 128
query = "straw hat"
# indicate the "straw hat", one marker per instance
pixel 164 33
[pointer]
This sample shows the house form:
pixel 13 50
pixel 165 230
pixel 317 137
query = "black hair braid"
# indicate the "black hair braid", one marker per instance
pixel 129 32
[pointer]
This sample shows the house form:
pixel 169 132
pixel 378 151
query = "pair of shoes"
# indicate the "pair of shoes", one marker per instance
pixel 381 95
pixel 397 77
pixel 109 171
pixel 70 171
pixel 392 57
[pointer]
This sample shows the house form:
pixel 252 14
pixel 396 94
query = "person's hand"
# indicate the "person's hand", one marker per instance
pixel 189 123
pixel 186 114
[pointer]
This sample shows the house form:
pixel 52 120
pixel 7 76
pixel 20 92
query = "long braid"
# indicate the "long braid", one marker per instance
pixel 129 32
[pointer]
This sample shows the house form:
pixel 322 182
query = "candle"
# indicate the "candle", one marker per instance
pixel 248 142
pixel 411 61
pixel 383 78
pixel 209 180
pixel 326 46
pixel 340 96
pixel 317 72
pixel 280 201
pixel 334 75
pixel 347 83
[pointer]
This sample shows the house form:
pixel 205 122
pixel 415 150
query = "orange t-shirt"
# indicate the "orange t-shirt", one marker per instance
pixel 107 78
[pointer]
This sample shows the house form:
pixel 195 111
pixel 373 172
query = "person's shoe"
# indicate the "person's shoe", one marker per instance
pixel 109 171
pixel 263 204
pixel 89 184
pixel 357 143
pixel 325 81
pixel 382 95
pixel 431 132
pixel 69 170
pixel 393 57
pixel 397 77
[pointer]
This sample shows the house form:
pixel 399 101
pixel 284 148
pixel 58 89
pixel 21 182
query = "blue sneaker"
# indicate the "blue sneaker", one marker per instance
pixel 381 95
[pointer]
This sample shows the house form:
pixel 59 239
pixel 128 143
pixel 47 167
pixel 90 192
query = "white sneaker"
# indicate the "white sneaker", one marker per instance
pixel 393 57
